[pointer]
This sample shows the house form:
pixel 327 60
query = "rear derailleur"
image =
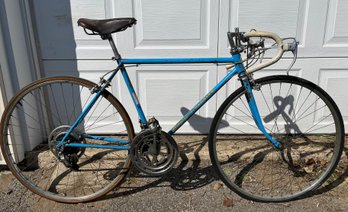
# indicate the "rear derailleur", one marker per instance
pixel 69 156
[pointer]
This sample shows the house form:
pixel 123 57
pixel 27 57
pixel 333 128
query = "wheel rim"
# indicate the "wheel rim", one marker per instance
pixel 253 167
pixel 99 171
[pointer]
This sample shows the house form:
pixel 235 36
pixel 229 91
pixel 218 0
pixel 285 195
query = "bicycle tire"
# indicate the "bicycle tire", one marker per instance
pixel 40 171
pixel 239 162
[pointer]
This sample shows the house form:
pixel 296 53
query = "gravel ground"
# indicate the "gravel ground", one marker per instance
pixel 192 186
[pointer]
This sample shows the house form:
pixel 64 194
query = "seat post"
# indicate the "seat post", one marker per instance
pixel 113 46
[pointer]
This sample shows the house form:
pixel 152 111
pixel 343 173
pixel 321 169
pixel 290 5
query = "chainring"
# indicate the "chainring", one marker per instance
pixel 154 152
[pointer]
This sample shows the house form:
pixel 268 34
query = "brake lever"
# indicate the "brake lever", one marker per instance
pixel 293 47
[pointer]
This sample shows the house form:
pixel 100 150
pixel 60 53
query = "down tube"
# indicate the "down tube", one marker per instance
pixel 211 93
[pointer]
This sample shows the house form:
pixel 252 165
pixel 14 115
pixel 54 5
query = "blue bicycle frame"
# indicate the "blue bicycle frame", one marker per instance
pixel 122 144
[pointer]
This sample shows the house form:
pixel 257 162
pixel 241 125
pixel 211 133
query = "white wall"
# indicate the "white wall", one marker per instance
pixel 17 57
pixel 195 28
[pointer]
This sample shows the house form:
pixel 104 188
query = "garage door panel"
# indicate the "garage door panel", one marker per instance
pixel 288 18
pixel 336 32
pixel 169 92
pixel 169 28
pixel 154 27
pixel 335 82
pixel 86 9
pixel 60 36
pixel 194 28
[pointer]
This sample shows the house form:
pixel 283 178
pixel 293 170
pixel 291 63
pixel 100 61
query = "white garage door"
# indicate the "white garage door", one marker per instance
pixel 195 28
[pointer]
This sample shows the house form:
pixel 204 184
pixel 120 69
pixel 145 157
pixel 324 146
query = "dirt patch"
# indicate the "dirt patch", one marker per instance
pixel 189 187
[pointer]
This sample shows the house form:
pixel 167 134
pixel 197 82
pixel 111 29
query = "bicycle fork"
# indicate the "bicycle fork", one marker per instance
pixel 246 83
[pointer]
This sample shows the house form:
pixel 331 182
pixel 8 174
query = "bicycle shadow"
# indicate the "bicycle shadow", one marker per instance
pixel 285 107
pixel 339 174
pixel 338 177
pixel 191 173
pixel 188 175
pixel 192 176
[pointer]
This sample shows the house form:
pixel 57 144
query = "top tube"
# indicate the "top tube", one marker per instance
pixel 178 60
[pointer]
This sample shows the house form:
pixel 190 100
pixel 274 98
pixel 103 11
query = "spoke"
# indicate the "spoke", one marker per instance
pixel 86 101
pixel 298 100
pixel 322 119
pixel 89 127
pixel 237 129
pixel 307 97
pixel 242 112
pixel 55 104
pixel 250 116
pixel 44 138
pixel 36 129
pixel 276 118
pixel 38 133
pixel 95 107
pixel 273 105
pixel 269 109
pixel 241 99
pixel 243 121
pixel 280 88
pixel 95 121
pixel 20 108
pixel 96 168
pixel 45 105
pixel 74 107
pixel 66 108
pixel 299 117
pixel 311 113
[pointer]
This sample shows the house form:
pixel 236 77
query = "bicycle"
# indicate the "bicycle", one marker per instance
pixel 296 146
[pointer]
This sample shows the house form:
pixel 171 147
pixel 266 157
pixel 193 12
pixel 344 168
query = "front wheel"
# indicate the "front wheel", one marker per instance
pixel 40 115
pixel 298 114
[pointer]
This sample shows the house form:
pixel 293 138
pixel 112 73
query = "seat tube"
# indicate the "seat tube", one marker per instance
pixel 136 102
pixel 254 109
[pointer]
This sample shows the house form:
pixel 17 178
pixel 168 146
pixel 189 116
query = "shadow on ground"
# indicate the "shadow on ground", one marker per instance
pixel 189 174
pixel 338 177
pixel 195 171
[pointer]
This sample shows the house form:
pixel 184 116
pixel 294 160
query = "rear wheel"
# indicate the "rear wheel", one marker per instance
pixel 297 113
pixel 40 115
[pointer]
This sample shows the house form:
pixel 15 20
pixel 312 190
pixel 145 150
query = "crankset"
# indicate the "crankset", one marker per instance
pixel 154 152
